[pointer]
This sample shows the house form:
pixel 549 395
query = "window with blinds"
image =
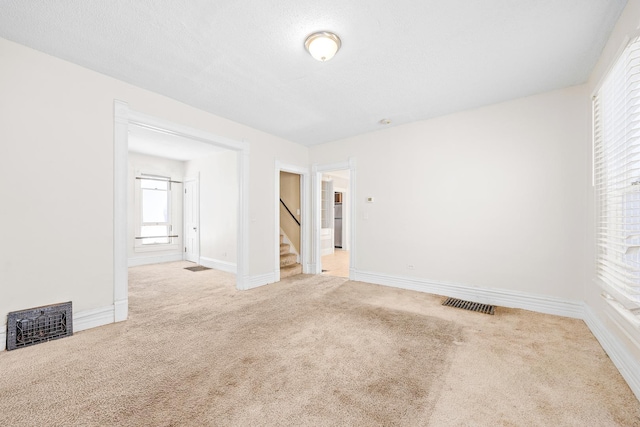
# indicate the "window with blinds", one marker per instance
pixel 616 138
pixel 154 213
pixel 155 200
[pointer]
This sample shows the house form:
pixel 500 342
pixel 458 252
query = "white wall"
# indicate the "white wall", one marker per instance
pixel 56 178
pixel 218 176
pixel 141 163
pixel 56 129
pixel 491 197
pixel 263 194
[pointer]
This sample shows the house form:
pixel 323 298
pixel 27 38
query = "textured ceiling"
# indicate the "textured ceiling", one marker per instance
pixel 244 60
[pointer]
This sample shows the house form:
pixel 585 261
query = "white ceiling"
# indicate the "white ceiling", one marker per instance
pixel 161 144
pixel 405 60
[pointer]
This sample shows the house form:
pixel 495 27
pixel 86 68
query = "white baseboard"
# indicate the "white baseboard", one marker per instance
pixel 93 318
pixel 628 366
pixel 154 259
pixel 260 280
pixel 310 268
pixel 500 297
pixel 3 338
pixel 121 310
pixel 229 267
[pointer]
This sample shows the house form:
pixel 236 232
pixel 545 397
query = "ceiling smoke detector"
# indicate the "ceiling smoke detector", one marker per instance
pixel 322 45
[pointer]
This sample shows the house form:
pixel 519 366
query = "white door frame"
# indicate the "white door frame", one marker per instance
pixel 316 191
pixel 197 184
pixel 123 118
pixel 304 220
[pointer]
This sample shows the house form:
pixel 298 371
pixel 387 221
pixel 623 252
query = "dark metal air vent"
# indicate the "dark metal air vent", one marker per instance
pixel 40 324
pixel 468 305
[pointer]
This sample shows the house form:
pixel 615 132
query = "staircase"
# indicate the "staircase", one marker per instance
pixel 288 265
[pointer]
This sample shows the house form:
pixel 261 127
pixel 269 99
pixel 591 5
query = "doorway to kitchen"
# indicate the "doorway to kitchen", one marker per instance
pixel 334 222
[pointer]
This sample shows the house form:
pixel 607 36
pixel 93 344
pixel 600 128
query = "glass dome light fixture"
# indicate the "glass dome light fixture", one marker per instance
pixel 322 45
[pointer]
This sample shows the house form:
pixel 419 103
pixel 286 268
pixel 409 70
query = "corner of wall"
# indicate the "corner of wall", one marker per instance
pixel 258 280
pixel 229 267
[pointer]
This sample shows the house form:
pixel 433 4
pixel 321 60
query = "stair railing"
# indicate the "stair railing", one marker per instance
pixel 292 216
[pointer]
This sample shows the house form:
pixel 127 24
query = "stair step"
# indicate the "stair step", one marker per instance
pixel 290 270
pixel 287 259
pixel 282 238
pixel 284 248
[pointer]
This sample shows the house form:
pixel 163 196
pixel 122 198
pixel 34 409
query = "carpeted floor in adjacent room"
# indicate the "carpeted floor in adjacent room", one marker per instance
pixel 312 351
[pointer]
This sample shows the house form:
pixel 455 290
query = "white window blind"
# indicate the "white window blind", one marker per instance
pixel 155 224
pixel 616 134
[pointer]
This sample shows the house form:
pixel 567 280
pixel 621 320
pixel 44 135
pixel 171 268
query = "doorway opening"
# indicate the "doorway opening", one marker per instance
pixel 184 187
pixel 334 225
pixel 290 224
pixel 292 216
pixel 233 161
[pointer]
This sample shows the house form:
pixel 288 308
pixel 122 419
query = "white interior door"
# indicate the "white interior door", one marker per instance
pixel 191 221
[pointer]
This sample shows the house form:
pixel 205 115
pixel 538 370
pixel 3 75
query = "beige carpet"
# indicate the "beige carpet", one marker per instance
pixel 312 350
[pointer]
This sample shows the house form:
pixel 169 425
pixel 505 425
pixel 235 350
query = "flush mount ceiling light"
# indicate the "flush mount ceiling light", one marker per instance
pixel 322 45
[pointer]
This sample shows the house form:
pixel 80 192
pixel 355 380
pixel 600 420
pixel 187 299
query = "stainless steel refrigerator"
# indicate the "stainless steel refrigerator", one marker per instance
pixel 337 225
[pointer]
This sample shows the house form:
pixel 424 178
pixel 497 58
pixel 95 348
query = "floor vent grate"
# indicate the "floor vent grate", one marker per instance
pixel 40 324
pixel 197 268
pixel 468 305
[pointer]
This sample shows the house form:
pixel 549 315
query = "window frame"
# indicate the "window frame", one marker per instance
pixel 139 244
pixel 167 196
pixel 615 181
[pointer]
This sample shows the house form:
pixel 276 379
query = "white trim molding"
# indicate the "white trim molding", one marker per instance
pixel 625 362
pixel 242 256
pixel 88 319
pixel 3 338
pixel 501 297
pixel 260 280
pixel 121 310
pixel 120 165
pixel 156 259
pixel 229 267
